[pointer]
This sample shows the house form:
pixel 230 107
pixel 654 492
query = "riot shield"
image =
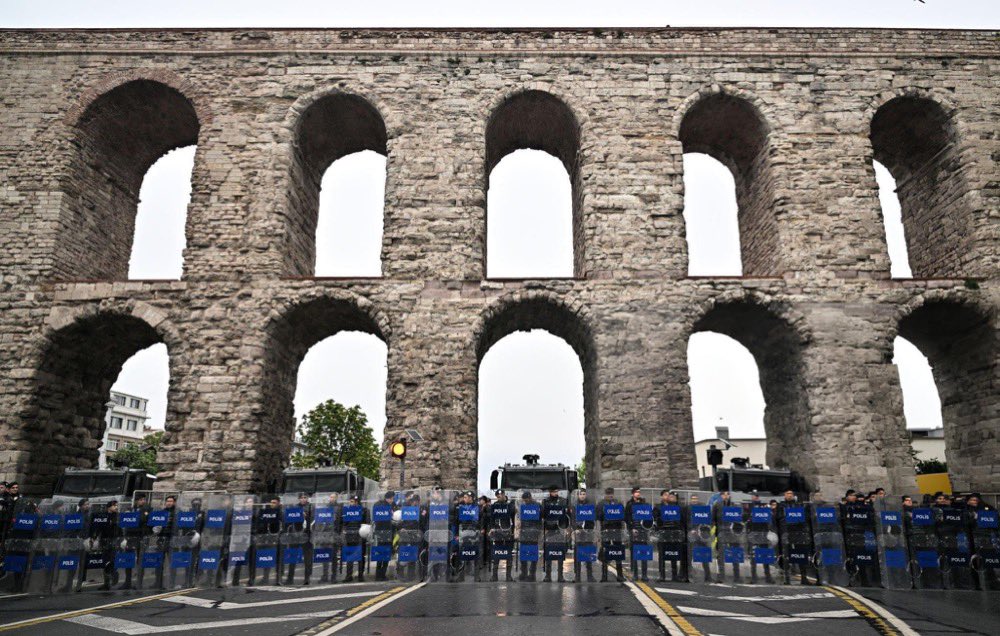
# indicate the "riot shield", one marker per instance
pixel 469 529
pixel 529 535
pixel 98 563
pixel 437 556
pixel 47 547
pixel 762 541
pixel 986 541
pixel 797 550
pixel 555 533
pixel 956 549
pixel 131 520
pixel 614 534
pixel 185 541
pixel 731 540
pixel 72 551
pixel 266 540
pixel 19 543
pixel 355 532
pixel 639 524
pixel 215 538
pixel 861 544
pixel 586 536
pixel 411 537
pixel 922 540
pixel 828 544
pixel 670 538
pixel 701 537
pixel 240 554
pixel 156 538
pixel 383 534
pixel 892 553
pixel 296 562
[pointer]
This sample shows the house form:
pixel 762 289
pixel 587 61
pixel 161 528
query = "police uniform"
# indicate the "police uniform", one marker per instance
pixel 501 533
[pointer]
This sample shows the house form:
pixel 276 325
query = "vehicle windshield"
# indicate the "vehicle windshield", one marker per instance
pixel 313 483
pixel 515 479
pixel 108 485
pixel 92 485
pixel 75 485
pixel 763 483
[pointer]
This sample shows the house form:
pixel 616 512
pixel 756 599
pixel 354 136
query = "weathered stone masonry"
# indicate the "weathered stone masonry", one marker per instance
pixel 797 115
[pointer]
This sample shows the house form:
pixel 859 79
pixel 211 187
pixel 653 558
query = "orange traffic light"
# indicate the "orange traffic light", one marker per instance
pixel 398 449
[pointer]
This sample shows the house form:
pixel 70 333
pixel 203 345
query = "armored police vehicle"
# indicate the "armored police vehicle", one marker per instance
pixel 339 479
pixel 101 485
pixel 737 479
pixel 533 476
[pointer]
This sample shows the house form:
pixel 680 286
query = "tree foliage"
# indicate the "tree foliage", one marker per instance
pixel 931 466
pixel 338 436
pixel 581 471
pixel 141 456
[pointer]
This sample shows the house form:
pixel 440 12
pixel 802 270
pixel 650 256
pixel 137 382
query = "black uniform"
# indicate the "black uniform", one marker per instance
pixel 638 535
pixel 300 530
pixel 555 521
pixel 671 528
pixel 588 526
pixel 352 538
pixel 612 546
pixel 383 531
pixel 796 541
pixel 501 535
pixel 859 542
pixel 469 524
pixel 266 524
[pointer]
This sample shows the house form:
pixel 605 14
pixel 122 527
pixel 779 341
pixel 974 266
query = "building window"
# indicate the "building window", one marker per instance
pixel 132 425
pixel 120 400
pixel 116 422
pixel 134 403
pixel 112 444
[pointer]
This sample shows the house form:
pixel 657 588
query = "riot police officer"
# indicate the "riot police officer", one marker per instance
pixel 103 534
pixel 353 538
pixel 267 525
pixel 555 521
pixel 760 527
pixel 672 532
pixel 469 529
pixel 330 567
pixel 637 533
pixel 612 526
pixel 132 537
pixel 382 532
pixel 529 535
pixel 858 519
pixel 583 527
pixel 301 528
pixel 501 534
pixel 725 501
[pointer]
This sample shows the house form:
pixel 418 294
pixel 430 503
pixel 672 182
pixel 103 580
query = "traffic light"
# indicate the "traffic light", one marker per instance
pixel 398 448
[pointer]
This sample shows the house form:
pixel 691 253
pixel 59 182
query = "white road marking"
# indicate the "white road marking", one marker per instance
pixel 895 621
pixel 655 610
pixel 369 611
pixel 750 599
pixel 208 603
pixel 135 628
pixel 768 620
pixel 300 588
pixel 667 590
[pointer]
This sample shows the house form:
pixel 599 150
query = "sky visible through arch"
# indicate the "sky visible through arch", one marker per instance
pixel 351 367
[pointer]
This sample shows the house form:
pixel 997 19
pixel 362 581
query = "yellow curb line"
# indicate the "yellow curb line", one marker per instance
pixel 682 623
pixel 860 606
pixel 91 610
pixel 359 611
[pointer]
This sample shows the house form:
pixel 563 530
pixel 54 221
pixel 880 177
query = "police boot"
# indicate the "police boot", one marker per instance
pixel 523 574
pixel 548 572
pixel 590 572
pixel 510 577
pixel 496 572
pixel 576 571
pixel 604 573
pixel 621 572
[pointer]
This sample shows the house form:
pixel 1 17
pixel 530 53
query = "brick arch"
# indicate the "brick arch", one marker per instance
pixel 320 128
pixel 79 356
pixel 199 100
pixel 958 335
pixel 292 327
pixel 117 135
pixel 566 320
pixel 774 334
pixel 916 135
pixel 732 126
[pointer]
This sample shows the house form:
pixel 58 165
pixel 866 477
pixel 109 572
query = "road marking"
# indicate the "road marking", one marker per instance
pixel 208 603
pixel 301 588
pixel 367 608
pixel 880 618
pixel 135 628
pixel 768 620
pixel 750 599
pixel 664 612
pixel 90 610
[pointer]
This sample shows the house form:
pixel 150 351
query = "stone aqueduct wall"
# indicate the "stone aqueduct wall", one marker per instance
pixel 798 115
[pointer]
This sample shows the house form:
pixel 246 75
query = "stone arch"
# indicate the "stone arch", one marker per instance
pixel 536 119
pixel 730 126
pixel 958 335
pixel 117 137
pixel 291 330
pixel 915 135
pixel 324 127
pixel 776 338
pixel 568 321
pixel 79 358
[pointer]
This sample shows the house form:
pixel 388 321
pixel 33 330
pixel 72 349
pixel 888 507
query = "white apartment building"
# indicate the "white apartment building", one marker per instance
pixel 124 423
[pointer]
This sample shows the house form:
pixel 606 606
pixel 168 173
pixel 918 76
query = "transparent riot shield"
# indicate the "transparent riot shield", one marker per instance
pixel 440 504
pixel 355 532
pixel 762 542
pixel 530 534
pixel 701 537
pixel 986 541
pixel 46 547
pixel 669 537
pixel 639 523
pixel 828 544
pixel 383 534
pixel 73 552
pixel 326 537
pixel 156 538
pixel 555 533
pixel 731 540
pixel 614 535
pixel 213 546
pixel 19 543
pixel 586 536
pixel 892 552
pixel 925 558
pixel 795 534
pixel 411 538
pixel 469 530
pixel 240 554
pixel 955 545
pixel 97 566
pixel 861 544
pixel 266 542
pixel 185 541
pixel 128 548
pixel 296 561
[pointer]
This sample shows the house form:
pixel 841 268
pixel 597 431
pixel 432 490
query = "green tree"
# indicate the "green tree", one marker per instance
pixel 337 435
pixel 931 466
pixel 141 456
pixel 581 471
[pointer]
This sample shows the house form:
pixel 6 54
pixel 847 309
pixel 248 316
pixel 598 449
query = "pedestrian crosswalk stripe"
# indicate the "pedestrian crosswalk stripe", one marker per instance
pixel 208 603
pixel 135 628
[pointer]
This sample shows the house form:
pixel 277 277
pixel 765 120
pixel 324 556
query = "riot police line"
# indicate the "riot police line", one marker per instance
pixel 215 539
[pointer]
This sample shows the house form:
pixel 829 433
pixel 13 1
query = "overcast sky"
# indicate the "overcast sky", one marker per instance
pixel 530 384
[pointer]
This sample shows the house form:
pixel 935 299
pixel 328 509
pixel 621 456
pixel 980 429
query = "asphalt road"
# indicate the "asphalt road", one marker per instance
pixel 389 609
